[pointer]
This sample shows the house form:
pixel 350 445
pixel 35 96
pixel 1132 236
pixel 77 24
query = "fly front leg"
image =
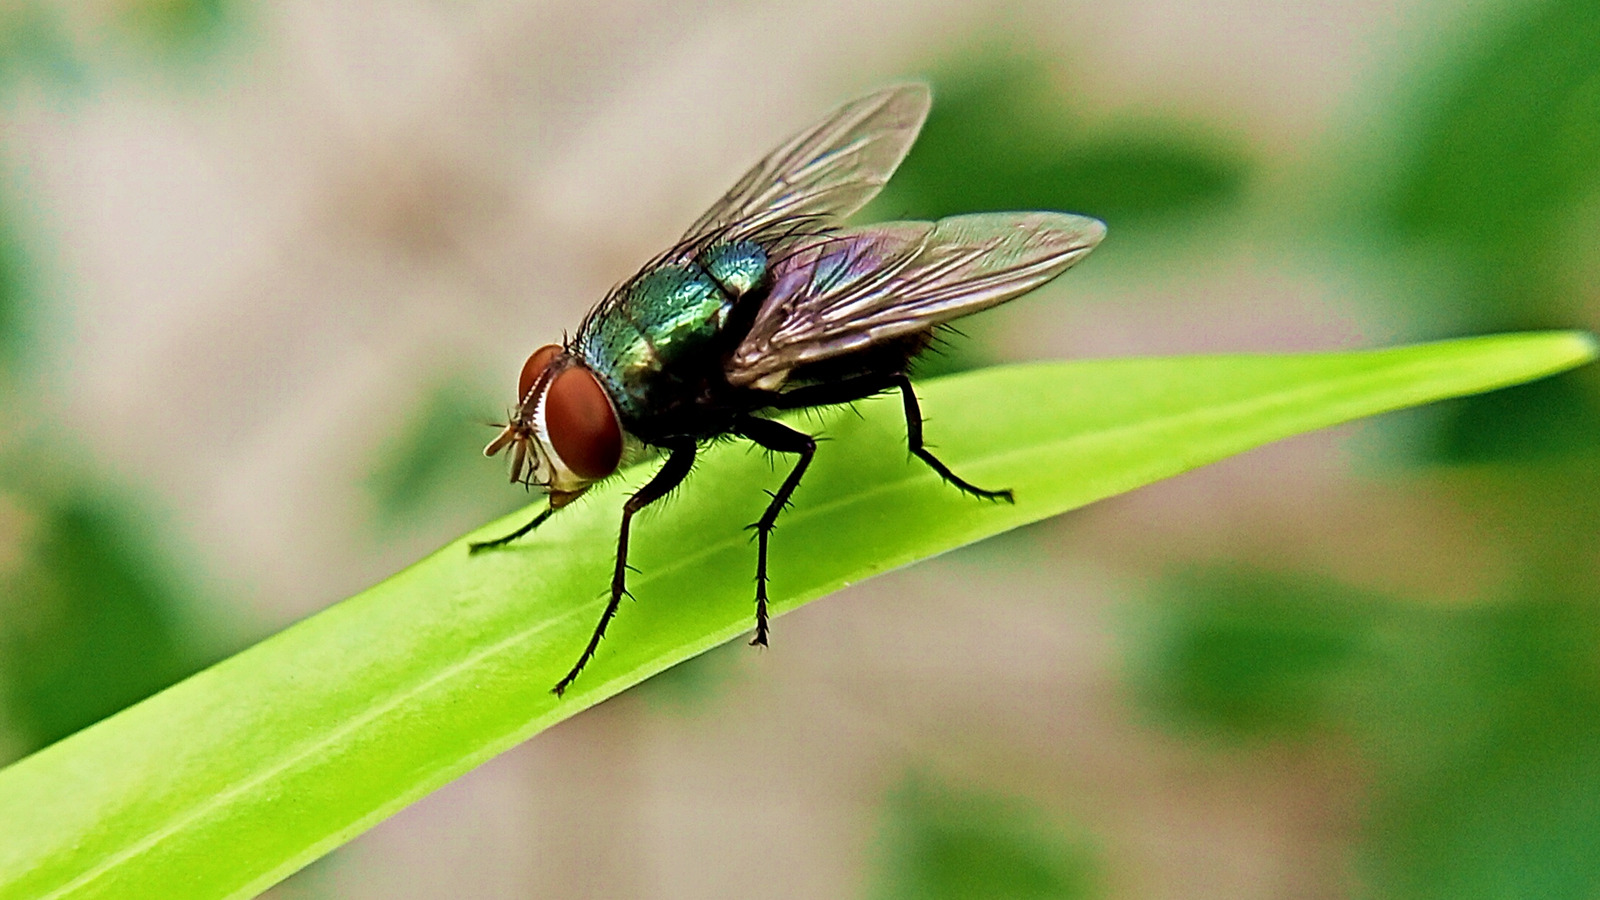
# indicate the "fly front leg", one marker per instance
pixel 502 541
pixel 914 441
pixel 670 476
pixel 783 439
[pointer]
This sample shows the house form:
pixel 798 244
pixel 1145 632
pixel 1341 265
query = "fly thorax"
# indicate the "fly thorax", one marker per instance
pixel 662 319
pixel 677 308
pixel 738 267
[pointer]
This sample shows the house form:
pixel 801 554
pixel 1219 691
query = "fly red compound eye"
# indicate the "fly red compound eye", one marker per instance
pixel 533 368
pixel 582 426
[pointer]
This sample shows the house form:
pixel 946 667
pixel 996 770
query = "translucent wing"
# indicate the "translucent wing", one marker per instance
pixel 839 293
pixel 824 173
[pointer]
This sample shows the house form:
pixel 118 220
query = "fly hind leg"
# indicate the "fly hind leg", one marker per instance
pixel 773 436
pixel 914 441
pixel 866 386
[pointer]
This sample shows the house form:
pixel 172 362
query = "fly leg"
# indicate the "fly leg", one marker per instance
pixel 538 520
pixel 863 387
pixel 783 439
pixel 914 440
pixel 670 476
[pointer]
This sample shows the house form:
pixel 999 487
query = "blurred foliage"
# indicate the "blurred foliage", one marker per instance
pixel 1483 721
pixel 1248 653
pixel 1501 184
pixel 13 290
pixel 694 685
pixel 1003 136
pixel 1553 418
pixel 436 456
pixel 56 42
pixel 1511 141
pixel 89 612
pixel 940 842
pixel 1480 722
pixel 33 40
pixel 174 24
pixel 89 621
pixel 1519 819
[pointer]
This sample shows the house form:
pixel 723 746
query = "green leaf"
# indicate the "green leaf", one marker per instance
pixel 232 779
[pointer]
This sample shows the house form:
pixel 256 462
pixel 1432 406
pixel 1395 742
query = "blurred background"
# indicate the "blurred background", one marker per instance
pixel 266 269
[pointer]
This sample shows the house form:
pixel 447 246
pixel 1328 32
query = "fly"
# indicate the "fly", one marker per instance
pixel 768 303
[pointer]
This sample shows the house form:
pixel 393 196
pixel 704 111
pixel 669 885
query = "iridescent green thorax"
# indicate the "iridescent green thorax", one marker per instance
pixel 738 266
pixel 637 340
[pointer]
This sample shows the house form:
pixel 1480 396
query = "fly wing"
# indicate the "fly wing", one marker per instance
pixel 839 293
pixel 824 173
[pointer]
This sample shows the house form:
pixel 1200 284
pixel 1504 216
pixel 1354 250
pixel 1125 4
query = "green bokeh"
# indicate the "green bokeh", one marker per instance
pixel 1510 141
pixel 32 42
pixel 175 25
pixel 1500 187
pixel 1482 722
pixel 1478 723
pixel 435 457
pixel 1002 136
pixel 1551 419
pixel 1521 819
pixel 1246 652
pixel 943 843
pixel 90 616
pixel 13 291
pixel 90 623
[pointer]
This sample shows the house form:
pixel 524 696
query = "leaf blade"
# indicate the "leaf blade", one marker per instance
pixel 236 777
